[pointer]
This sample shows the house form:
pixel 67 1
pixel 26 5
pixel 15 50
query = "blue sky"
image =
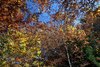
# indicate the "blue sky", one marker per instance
pixel 77 21
pixel 32 6
pixel 45 17
pixel 55 6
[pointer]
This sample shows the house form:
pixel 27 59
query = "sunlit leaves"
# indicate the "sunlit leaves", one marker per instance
pixel 27 45
pixel 73 32
pixel 18 44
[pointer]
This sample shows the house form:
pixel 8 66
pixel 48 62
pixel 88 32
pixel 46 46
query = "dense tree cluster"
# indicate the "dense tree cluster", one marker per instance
pixel 23 43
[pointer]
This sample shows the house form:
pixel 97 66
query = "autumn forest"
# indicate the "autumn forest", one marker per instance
pixel 49 33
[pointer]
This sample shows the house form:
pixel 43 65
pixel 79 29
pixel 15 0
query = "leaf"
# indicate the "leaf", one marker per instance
pixel 39 52
pixel 39 42
pixel 26 65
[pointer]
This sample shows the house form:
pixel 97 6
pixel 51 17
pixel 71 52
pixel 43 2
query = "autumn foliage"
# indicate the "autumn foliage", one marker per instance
pixel 22 45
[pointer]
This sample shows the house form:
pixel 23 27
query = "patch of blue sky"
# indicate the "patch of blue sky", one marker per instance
pixel 97 4
pixel 25 16
pixel 44 17
pixel 32 6
pixel 78 1
pixel 54 8
pixel 81 15
pixel 77 21
pixel 53 1
pixel 29 4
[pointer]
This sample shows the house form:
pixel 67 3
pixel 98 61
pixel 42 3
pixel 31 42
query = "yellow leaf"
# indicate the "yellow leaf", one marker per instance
pixel 23 40
pixel 26 65
pixel 39 52
pixel 39 42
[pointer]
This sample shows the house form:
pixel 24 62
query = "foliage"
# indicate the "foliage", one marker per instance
pixel 91 56
pixel 22 44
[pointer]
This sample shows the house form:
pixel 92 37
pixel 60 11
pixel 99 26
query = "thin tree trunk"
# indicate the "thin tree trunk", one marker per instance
pixel 70 65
